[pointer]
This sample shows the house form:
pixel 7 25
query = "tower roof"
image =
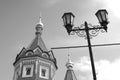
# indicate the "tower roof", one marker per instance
pixel 37 48
pixel 70 75
pixel 37 42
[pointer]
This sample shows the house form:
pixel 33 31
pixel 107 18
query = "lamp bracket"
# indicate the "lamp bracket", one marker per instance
pixel 93 30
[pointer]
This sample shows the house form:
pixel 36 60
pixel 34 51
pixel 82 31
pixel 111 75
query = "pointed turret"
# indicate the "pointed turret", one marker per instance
pixel 38 42
pixel 70 75
pixel 37 47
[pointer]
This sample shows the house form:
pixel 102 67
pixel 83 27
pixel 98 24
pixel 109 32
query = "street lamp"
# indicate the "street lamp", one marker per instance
pixel 87 30
pixel 68 19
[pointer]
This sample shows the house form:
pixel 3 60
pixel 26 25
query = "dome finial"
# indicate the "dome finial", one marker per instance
pixel 69 63
pixel 39 26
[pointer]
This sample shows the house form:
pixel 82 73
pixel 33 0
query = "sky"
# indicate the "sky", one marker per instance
pixel 18 19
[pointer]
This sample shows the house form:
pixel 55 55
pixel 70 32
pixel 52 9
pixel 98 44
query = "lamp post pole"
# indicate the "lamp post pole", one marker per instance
pixel 90 51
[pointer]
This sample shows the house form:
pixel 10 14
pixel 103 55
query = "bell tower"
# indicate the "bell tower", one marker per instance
pixel 35 62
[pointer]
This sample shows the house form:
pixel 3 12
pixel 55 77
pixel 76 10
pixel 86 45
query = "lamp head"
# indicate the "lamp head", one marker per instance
pixel 102 16
pixel 68 20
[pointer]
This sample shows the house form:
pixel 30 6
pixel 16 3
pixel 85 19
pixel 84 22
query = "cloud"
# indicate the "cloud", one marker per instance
pixel 111 71
pixel 83 64
pixel 105 69
pixel 111 5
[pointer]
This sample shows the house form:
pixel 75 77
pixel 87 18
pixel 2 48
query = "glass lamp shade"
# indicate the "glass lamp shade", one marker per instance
pixel 68 20
pixel 102 17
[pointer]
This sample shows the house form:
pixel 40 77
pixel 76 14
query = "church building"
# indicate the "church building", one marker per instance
pixel 36 62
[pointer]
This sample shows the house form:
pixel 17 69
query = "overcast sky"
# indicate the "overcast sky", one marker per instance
pixel 18 19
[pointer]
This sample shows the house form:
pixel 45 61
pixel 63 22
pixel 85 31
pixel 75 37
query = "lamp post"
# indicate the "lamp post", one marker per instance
pixel 87 30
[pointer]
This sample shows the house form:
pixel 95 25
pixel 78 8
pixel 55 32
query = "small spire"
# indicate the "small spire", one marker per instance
pixel 69 63
pixel 39 26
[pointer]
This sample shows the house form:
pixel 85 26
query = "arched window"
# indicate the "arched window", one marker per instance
pixel 44 55
pixel 29 53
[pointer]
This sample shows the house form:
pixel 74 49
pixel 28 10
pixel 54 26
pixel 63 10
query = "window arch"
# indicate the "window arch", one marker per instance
pixel 44 55
pixel 29 53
